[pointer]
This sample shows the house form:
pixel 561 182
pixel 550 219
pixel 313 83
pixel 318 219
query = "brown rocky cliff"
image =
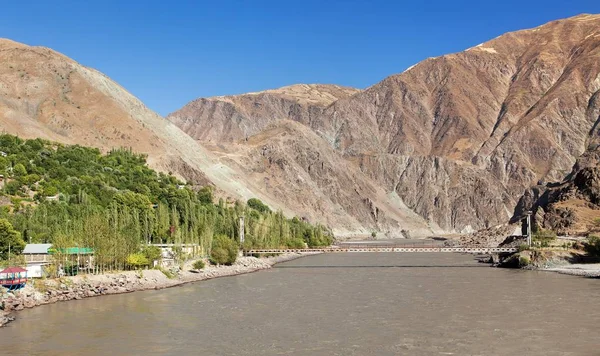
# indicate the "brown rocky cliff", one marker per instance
pixel 236 117
pixel 457 138
pixel 508 113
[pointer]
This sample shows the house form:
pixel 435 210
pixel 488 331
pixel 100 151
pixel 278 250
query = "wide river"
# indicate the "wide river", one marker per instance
pixel 342 304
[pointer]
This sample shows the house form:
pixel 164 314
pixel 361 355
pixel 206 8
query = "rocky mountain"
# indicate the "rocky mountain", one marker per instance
pixel 571 206
pixel 45 94
pixel 457 138
pixel 232 118
pixel 268 134
pixel 448 145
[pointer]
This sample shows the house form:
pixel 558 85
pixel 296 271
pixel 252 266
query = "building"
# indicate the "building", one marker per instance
pixel 37 256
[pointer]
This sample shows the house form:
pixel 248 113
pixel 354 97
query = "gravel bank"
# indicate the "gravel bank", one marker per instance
pixel 85 286
pixel 585 270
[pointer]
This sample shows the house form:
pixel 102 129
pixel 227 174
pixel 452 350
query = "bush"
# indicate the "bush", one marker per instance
pixel 592 246
pixel 199 264
pixel 523 247
pixel 137 260
pixel 524 261
pixel 166 272
pixel 296 243
pixel 544 235
pixel 152 253
pixel 543 238
pixel 224 251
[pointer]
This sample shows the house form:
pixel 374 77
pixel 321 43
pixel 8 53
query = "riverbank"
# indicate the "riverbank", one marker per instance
pixel 569 262
pixel 590 270
pixel 42 292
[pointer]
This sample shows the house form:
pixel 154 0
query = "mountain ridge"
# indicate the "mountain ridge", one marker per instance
pixel 471 127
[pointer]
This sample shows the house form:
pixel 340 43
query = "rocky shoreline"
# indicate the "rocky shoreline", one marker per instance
pixel 589 270
pixel 86 286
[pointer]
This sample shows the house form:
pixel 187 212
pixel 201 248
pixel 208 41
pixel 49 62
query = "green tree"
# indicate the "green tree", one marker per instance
pixel 19 170
pixel 152 253
pixel 205 195
pixel 258 205
pixel 9 237
pixel 224 251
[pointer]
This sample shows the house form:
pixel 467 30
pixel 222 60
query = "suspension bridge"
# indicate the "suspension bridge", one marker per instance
pixel 388 248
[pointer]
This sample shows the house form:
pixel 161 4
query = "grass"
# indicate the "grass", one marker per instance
pixel 166 272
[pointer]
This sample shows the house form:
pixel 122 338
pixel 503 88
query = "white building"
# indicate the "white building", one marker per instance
pixel 37 256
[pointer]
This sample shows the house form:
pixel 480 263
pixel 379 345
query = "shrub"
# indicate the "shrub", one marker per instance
pixel 152 253
pixel 592 246
pixel 224 251
pixel 19 170
pixel 543 238
pixel 296 243
pixel 199 264
pixel 166 272
pixel 523 247
pixel 524 261
pixel 137 260
pixel 373 234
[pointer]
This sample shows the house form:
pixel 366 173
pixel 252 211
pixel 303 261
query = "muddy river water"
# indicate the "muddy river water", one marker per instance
pixel 336 304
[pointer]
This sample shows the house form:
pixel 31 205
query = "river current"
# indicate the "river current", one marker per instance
pixel 334 304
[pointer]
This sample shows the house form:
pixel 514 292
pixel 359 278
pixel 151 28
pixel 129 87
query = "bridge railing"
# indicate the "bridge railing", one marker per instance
pixel 471 250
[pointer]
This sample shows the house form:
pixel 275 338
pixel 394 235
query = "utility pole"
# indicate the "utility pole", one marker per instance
pixel 529 227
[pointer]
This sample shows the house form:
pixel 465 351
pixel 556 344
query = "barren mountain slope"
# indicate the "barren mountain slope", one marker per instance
pixel 232 118
pixel 45 94
pixel 297 168
pixel 506 113
pixel 459 137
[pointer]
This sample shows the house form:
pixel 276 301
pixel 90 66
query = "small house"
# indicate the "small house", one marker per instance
pixel 37 256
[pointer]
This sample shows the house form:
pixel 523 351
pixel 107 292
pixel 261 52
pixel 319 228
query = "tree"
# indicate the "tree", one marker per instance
pixel 224 251
pixel 258 205
pixel 205 195
pixel 19 170
pixel 9 237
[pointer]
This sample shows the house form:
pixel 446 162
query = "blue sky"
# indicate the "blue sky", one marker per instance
pixel 170 52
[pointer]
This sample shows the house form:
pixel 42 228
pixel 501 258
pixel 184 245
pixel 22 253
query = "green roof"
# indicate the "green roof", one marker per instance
pixel 72 250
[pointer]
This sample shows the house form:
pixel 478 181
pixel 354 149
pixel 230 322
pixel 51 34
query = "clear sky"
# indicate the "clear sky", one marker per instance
pixel 170 52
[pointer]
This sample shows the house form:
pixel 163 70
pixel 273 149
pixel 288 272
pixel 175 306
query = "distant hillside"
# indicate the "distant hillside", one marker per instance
pixel 456 139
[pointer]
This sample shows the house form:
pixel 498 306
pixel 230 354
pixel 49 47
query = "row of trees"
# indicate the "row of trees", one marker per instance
pixel 116 205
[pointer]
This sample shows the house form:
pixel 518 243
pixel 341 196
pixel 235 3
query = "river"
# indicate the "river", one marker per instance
pixel 334 304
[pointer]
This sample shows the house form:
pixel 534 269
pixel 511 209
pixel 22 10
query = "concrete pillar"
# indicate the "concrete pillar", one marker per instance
pixel 529 228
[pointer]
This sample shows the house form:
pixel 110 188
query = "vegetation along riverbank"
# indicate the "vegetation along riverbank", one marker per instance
pixel 48 291
pixel 105 220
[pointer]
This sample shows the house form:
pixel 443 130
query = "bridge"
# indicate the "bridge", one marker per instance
pixel 404 249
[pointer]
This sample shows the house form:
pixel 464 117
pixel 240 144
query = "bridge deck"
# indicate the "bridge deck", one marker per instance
pixel 473 250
